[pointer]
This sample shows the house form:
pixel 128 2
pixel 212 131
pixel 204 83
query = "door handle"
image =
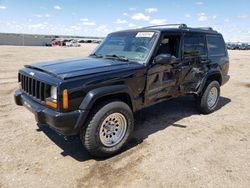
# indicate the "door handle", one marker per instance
pixel 205 61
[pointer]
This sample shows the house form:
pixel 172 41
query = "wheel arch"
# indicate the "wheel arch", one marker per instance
pixel 212 76
pixel 216 76
pixel 119 92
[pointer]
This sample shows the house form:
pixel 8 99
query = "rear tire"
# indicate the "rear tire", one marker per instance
pixel 108 128
pixel 208 100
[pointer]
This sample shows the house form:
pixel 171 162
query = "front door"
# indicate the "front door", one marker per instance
pixel 161 78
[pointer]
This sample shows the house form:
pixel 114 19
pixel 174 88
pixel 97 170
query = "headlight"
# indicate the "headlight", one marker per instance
pixel 53 92
pixel 52 100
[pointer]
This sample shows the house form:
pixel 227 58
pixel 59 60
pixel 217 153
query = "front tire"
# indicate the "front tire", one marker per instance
pixel 108 128
pixel 208 100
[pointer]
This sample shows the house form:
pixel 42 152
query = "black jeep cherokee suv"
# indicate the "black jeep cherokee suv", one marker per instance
pixel 97 96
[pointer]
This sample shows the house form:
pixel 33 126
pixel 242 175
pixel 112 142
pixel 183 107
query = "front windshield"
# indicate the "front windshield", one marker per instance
pixel 132 45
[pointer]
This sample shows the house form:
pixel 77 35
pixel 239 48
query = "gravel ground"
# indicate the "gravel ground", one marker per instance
pixel 173 145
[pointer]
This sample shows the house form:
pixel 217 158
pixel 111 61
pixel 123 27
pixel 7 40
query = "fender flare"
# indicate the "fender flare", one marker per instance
pixel 97 93
pixel 205 78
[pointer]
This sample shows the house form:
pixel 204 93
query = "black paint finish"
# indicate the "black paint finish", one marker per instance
pixel 91 79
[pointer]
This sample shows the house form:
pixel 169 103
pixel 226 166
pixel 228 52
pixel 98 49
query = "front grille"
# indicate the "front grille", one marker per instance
pixel 35 88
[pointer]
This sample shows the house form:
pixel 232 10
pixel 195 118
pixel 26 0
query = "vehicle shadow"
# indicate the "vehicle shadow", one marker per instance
pixel 71 146
pixel 148 121
pixel 160 116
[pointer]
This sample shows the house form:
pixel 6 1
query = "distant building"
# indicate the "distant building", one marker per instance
pixel 34 40
pixel 24 40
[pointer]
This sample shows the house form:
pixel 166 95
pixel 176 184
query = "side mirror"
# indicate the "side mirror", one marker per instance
pixel 164 59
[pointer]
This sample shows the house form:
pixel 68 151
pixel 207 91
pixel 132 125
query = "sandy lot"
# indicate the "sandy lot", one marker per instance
pixel 173 145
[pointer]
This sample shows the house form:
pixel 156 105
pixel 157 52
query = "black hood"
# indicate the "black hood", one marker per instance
pixel 69 68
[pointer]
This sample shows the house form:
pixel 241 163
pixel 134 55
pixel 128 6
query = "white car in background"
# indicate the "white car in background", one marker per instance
pixel 73 43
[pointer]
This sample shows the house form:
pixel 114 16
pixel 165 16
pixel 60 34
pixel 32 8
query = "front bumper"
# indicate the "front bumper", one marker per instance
pixel 65 123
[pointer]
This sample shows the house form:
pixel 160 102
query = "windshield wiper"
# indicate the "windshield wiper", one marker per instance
pixel 96 55
pixel 118 57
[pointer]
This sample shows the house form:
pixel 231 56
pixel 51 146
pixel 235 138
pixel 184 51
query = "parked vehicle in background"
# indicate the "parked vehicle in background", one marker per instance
pixel 89 41
pixel 97 41
pixel 230 46
pixel 238 46
pixel 73 43
pixel 244 46
pixel 81 41
pixel 97 96
pixel 55 42
pixel 48 44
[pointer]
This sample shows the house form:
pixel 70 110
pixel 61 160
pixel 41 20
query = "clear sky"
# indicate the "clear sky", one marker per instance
pixel 99 17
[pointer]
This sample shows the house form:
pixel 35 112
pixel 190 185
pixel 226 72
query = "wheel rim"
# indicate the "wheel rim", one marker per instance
pixel 113 129
pixel 212 97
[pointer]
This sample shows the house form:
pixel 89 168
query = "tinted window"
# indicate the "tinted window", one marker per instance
pixel 194 45
pixel 215 45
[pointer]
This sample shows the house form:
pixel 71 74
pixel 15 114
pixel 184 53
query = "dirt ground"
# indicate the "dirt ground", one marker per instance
pixel 173 145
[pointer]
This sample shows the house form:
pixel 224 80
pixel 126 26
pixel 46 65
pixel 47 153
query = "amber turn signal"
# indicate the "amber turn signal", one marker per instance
pixel 50 103
pixel 65 99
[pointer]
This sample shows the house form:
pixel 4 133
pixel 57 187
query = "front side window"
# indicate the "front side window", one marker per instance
pixel 133 45
pixel 170 45
pixel 194 45
pixel 216 45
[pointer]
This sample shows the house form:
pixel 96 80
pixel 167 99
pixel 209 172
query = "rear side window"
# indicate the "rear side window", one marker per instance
pixel 215 45
pixel 194 45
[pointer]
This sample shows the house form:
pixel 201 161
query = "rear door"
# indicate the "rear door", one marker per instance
pixel 194 59
pixel 217 54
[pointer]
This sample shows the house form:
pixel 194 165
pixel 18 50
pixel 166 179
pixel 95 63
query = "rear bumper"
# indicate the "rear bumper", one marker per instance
pixel 225 79
pixel 67 123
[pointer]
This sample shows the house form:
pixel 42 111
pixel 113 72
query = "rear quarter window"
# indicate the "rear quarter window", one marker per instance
pixel 216 45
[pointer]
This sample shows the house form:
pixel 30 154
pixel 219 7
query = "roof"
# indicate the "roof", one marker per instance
pixel 177 28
